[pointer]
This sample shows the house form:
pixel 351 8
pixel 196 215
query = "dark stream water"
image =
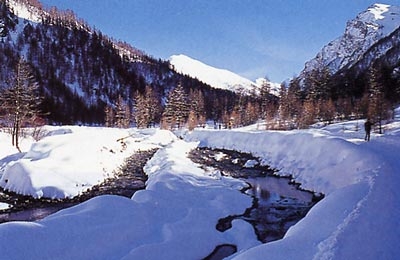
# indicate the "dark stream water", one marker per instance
pixel 278 203
pixel 128 179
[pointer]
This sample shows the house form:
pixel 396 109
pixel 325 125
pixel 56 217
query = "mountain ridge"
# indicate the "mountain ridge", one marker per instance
pixel 361 33
pixel 218 78
pixel 343 68
pixel 81 71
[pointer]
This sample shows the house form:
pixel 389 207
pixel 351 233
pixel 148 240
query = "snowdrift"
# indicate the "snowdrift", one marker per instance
pixel 318 162
pixel 70 160
pixel 358 217
pixel 175 216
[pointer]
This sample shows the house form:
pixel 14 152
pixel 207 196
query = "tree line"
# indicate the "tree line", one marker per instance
pixel 88 78
pixel 322 97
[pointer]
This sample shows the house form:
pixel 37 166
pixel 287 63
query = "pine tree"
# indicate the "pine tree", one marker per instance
pixel 317 84
pixel 308 114
pixel 20 100
pixel 141 113
pixel 251 114
pixel 122 114
pixel 177 108
pixel 283 105
pixel 265 92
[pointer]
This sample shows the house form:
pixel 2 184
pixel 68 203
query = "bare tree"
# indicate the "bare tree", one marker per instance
pixel 147 108
pixel 378 107
pixel 21 100
pixel 109 116
pixel 197 106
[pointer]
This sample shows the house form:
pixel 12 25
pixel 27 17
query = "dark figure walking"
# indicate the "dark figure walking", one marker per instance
pixel 367 126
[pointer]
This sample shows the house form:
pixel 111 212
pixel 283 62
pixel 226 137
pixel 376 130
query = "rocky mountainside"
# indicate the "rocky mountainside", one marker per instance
pixel 371 39
pixel 361 37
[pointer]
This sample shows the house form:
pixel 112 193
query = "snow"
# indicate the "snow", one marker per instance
pixel 219 78
pixel 216 78
pixel 361 34
pixel 4 205
pixel 378 11
pixel 175 216
pixel 251 163
pixel 87 156
pixel 26 11
pixel 275 88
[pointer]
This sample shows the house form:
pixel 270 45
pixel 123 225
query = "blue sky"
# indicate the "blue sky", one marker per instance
pixel 253 38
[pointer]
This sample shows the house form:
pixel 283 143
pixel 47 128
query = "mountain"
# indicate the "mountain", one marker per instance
pixel 80 71
pixel 215 77
pixel 367 30
pixel 370 40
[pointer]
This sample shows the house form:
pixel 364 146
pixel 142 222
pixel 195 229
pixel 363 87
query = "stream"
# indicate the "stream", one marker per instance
pixel 278 202
pixel 127 180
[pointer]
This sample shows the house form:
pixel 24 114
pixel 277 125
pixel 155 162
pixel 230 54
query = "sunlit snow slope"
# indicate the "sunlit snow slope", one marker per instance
pixel 217 78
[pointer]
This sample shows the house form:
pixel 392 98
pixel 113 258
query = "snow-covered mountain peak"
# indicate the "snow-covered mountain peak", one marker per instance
pixel 363 32
pixel 217 78
pixel 380 17
pixel 378 10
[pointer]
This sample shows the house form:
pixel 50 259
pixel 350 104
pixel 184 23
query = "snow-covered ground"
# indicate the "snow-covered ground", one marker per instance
pixel 175 216
pixel 69 160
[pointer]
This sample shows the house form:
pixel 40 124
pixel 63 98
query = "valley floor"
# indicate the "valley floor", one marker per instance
pixel 175 216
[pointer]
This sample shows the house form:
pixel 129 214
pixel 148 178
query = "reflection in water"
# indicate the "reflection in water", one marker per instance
pixel 258 192
pixel 272 189
pixel 277 203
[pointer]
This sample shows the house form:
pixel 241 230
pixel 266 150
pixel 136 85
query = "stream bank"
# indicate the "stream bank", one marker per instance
pixel 278 202
pixel 128 179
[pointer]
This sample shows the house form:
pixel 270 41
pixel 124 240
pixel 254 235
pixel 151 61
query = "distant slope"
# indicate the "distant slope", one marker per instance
pixel 216 78
pixel 370 41
pixel 80 71
pixel 369 28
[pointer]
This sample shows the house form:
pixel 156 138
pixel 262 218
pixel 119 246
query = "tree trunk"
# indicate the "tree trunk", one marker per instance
pixel 17 134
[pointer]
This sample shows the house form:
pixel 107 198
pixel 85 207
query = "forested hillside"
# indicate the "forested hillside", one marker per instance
pixel 356 75
pixel 83 74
